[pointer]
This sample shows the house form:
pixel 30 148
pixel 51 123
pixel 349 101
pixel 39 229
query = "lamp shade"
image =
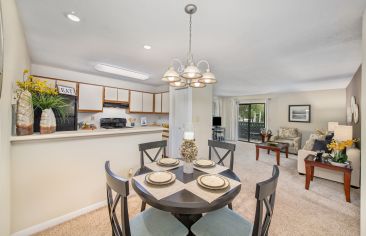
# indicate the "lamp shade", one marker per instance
pixel 208 77
pixel 171 75
pixel 332 125
pixel 343 132
pixel 197 84
pixel 178 84
pixel 191 72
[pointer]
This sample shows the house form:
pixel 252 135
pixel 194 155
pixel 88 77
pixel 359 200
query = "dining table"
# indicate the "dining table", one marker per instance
pixel 185 199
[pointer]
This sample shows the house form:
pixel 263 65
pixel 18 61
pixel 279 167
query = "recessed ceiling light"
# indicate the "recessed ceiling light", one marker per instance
pixel 121 71
pixel 71 16
pixel 148 47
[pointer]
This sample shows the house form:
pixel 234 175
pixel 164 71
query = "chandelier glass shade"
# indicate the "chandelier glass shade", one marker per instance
pixel 189 75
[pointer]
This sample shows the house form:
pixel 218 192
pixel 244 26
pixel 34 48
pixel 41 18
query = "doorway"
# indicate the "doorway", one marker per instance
pixel 251 120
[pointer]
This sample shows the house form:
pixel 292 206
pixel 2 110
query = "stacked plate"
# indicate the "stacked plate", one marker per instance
pixel 168 162
pixel 160 178
pixel 213 182
pixel 204 163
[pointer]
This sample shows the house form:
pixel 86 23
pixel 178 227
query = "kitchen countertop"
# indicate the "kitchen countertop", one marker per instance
pixel 86 133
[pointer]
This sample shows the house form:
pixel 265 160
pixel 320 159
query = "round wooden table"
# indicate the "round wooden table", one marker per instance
pixel 184 205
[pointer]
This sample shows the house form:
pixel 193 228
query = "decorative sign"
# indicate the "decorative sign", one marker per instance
pixel 66 90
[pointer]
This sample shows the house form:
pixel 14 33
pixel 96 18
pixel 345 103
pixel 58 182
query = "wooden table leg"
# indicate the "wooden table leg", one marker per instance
pixel 268 151
pixel 286 152
pixel 256 153
pixel 347 185
pixel 308 176
pixel 312 173
pixel 278 157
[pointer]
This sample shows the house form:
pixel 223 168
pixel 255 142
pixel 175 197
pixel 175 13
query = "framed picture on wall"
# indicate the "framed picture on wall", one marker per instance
pixel 299 113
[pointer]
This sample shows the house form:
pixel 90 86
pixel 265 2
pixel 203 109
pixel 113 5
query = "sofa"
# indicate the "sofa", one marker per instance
pixel 354 156
pixel 292 136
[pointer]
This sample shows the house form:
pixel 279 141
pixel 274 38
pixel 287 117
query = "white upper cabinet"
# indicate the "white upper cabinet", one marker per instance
pixel 157 107
pixel 165 102
pixel 90 98
pixel 122 95
pixel 110 94
pixel 135 101
pixel 148 102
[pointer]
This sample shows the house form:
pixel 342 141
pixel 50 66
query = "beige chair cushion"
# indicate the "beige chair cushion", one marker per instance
pixel 289 141
pixel 285 132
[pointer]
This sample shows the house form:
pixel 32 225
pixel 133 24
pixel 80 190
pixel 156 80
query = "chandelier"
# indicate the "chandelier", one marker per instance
pixel 189 75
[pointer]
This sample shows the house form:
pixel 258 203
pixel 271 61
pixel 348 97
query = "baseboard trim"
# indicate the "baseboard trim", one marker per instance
pixel 58 220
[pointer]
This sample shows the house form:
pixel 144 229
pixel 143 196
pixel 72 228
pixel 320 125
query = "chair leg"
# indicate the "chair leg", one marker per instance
pixel 230 205
pixel 143 206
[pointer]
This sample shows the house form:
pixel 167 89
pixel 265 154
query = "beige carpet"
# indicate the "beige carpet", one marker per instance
pixel 322 210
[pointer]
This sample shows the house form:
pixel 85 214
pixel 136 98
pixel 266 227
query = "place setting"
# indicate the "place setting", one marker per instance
pixel 164 164
pixel 159 184
pixel 208 166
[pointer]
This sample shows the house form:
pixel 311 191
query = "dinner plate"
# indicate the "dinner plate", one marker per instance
pixel 147 179
pixel 204 163
pixel 160 176
pixel 225 182
pixel 168 162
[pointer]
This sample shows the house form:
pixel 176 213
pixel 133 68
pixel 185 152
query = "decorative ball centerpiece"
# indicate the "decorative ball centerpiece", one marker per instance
pixel 188 150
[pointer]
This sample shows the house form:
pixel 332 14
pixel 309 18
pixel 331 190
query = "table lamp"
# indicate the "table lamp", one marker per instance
pixel 343 132
pixel 332 125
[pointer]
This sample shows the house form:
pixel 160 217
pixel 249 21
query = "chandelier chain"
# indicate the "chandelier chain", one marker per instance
pixel 190 38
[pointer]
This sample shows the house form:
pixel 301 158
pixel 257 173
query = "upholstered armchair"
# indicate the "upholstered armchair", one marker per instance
pixel 292 136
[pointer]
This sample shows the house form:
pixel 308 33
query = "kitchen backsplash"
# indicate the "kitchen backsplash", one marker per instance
pixel 109 112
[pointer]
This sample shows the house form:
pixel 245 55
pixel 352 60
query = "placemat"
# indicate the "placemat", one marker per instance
pixel 159 191
pixel 213 170
pixel 209 195
pixel 155 167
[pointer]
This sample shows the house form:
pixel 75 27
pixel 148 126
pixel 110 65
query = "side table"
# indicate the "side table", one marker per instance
pixel 310 163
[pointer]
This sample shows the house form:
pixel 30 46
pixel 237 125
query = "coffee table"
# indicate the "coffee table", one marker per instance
pixel 272 146
pixel 311 162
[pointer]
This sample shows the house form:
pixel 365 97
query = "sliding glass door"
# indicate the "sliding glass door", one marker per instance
pixel 251 120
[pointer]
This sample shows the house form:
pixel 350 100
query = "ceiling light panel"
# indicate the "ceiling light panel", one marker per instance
pixel 121 71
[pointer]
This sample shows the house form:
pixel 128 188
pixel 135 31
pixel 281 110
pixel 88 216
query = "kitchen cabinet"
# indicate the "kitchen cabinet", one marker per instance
pixel 147 102
pixel 165 102
pixel 122 95
pixel 157 107
pixel 135 101
pixel 110 94
pixel 90 98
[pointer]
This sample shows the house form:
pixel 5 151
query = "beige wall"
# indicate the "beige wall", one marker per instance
pixel 354 89
pixel 326 105
pixel 52 178
pixel 363 130
pixel 15 60
pixel 202 118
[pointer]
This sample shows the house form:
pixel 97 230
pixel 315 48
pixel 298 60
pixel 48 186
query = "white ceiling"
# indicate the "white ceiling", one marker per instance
pixel 253 46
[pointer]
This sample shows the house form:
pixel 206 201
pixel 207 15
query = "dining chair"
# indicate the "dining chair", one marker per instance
pixel 226 222
pixel 230 147
pixel 143 147
pixel 150 222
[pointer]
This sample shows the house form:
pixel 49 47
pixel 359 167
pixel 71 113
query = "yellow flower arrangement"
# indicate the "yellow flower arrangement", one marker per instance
pixel 35 86
pixel 340 145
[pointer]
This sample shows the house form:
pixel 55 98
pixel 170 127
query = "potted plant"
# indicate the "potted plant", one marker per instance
pixel 188 151
pixel 46 99
pixel 339 156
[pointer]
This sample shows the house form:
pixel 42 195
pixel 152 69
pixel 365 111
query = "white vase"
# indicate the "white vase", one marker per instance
pixel 188 167
pixel 24 114
pixel 48 122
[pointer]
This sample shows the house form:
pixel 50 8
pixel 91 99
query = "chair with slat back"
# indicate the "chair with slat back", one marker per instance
pixel 121 188
pixel 143 147
pixel 230 147
pixel 151 222
pixel 226 222
pixel 265 194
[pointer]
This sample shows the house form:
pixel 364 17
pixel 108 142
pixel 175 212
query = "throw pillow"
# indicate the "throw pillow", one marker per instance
pixel 320 145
